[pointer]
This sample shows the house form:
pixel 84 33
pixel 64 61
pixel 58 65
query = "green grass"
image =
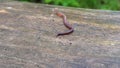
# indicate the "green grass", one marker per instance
pixel 93 4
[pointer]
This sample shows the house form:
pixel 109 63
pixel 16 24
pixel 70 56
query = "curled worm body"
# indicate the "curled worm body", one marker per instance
pixel 71 29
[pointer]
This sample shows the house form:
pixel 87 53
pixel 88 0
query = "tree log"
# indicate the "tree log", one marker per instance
pixel 28 37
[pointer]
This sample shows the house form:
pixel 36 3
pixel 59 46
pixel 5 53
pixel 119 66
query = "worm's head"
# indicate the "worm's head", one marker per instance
pixel 59 14
pixel 55 10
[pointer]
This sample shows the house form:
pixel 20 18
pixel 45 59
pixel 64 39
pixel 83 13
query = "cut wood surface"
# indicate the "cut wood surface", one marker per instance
pixel 28 37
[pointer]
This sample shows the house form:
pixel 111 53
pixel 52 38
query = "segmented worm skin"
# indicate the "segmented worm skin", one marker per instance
pixel 65 23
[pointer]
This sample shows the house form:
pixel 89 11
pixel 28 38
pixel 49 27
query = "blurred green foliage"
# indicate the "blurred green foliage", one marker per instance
pixel 93 4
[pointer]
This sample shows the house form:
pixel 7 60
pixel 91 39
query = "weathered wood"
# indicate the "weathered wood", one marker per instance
pixel 28 37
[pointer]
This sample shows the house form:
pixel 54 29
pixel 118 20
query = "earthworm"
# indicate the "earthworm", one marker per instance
pixel 71 29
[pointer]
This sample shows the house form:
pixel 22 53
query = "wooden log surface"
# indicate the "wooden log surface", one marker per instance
pixel 28 37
